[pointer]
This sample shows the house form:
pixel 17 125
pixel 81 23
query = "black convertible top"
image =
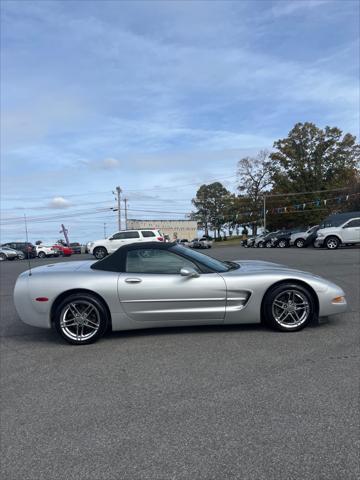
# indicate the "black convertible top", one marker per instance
pixel 116 261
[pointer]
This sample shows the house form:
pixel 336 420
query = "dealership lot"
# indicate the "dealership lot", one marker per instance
pixel 239 402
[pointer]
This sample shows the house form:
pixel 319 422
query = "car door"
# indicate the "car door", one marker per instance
pixel 351 231
pixel 122 238
pixel 153 290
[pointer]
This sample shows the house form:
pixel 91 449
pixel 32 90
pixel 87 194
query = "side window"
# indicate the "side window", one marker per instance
pixel 147 233
pixel 118 236
pixel 131 235
pixel 353 223
pixel 155 261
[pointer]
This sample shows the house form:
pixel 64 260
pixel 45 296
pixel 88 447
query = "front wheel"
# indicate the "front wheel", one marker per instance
pixel 41 254
pixel 268 244
pixel 299 243
pixel 282 244
pixel 81 319
pixel 261 244
pixel 2 257
pixel 332 243
pixel 100 252
pixel 288 307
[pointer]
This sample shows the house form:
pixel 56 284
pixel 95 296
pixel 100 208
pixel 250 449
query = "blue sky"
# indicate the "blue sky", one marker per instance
pixel 157 97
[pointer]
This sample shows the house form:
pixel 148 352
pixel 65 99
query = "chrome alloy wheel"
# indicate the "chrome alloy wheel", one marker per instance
pixel 291 308
pixel 80 320
pixel 332 243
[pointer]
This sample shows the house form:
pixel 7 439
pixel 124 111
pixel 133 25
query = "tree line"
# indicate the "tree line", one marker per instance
pixel 310 159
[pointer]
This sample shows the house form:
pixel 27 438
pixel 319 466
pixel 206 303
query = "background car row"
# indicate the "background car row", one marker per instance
pixel 22 250
pixel 337 230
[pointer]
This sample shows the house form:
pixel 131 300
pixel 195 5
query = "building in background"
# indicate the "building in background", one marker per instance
pixel 174 228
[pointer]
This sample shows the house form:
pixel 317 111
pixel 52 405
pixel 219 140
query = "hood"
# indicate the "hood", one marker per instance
pixel 254 265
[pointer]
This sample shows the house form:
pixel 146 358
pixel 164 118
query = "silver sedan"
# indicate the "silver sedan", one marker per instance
pixel 164 284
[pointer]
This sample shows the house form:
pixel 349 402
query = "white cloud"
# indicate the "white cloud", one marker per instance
pixel 282 8
pixel 59 203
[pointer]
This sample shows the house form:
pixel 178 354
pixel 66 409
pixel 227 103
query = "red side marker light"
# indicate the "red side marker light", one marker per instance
pixel 42 299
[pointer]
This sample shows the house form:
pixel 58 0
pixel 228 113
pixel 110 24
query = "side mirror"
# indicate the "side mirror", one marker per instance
pixel 188 272
pixel 110 238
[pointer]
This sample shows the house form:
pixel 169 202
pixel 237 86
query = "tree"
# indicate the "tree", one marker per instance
pixel 313 159
pixel 38 242
pixel 254 177
pixel 212 204
pixel 310 158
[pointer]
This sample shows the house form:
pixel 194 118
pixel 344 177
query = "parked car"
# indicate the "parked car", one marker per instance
pixel 340 229
pixel 46 251
pixel 27 248
pixel 184 242
pixel 266 240
pixel 162 285
pixel 87 247
pixel 75 247
pixel 7 253
pixel 298 239
pixel 203 242
pixel 103 247
pixel 63 250
pixel 282 238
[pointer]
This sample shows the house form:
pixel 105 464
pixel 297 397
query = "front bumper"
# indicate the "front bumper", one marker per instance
pixel 319 242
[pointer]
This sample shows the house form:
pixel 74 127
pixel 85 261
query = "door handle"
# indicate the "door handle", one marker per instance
pixel 133 280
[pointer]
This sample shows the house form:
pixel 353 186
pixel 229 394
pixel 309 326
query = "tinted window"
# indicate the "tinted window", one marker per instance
pixel 353 223
pixel 147 233
pixel 125 235
pixel 155 261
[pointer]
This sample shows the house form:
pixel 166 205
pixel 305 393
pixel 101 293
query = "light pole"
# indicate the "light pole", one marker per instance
pixel 118 192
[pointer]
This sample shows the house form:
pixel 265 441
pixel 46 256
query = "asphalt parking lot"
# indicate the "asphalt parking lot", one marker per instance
pixel 212 403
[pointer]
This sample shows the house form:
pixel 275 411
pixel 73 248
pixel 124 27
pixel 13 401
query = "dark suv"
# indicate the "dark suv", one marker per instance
pixel 27 248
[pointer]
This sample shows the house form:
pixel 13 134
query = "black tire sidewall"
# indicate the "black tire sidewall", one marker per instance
pixel 301 241
pixel 100 248
pixel 332 238
pixel 104 318
pixel 268 301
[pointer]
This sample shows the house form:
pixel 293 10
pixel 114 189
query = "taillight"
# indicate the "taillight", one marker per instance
pixel 161 239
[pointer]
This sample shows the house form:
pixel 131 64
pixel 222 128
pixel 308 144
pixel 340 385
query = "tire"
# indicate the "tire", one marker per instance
pixel 332 243
pixel 41 254
pixel 280 310
pixel 2 257
pixel 100 252
pixel 21 257
pixel 85 329
pixel 261 245
pixel 268 244
pixel 282 243
pixel 300 243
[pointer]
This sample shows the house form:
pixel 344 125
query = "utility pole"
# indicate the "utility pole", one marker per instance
pixel 126 212
pixel 104 230
pixel 118 192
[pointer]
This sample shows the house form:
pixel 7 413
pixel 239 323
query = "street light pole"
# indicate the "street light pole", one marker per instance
pixel 126 212
pixel 118 192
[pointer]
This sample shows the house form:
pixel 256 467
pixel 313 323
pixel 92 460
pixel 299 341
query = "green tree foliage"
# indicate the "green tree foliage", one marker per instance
pixel 212 203
pixel 311 159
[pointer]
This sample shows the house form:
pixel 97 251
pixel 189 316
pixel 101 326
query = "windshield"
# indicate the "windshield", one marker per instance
pixel 209 262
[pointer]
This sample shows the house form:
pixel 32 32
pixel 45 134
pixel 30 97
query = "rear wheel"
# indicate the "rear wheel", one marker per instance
pixel 299 243
pixel 288 307
pixel 41 254
pixel 81 319
pixel 261 244
pixel 100 252
pixel 282 243
pixel 268 244
pixel 2 257
pixel 332 243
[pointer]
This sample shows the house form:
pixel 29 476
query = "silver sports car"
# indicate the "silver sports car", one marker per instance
pixel 164 284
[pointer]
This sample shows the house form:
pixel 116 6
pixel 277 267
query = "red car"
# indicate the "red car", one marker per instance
pixel 63 250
